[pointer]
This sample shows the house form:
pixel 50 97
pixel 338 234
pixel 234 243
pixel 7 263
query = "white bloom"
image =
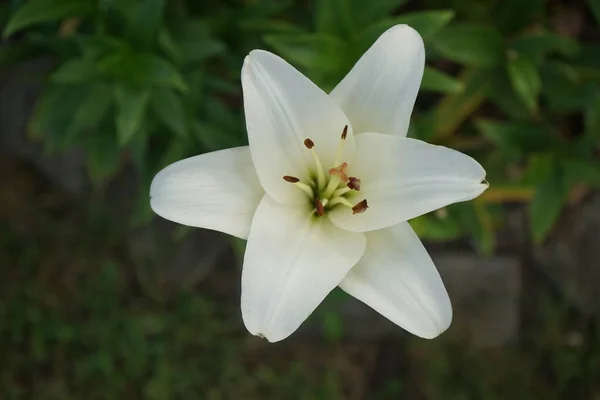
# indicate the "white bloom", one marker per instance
pixel 324 191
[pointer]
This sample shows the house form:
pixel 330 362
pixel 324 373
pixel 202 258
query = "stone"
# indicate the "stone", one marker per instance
pixel 570 257
pixel 485 295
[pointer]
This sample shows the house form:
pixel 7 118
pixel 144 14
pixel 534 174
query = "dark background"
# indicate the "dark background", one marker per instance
pixel 99 300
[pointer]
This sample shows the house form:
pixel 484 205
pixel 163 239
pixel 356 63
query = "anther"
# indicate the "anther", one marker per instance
pixel 340 172
pixel 291 179
pixel 354 183
pixel 345 132
pixel 319 207
pixel 360 207
pixel 309 143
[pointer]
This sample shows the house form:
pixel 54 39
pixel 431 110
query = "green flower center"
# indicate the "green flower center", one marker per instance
pixel 330 188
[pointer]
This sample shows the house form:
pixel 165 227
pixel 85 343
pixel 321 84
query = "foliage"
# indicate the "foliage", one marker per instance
pixel 152 81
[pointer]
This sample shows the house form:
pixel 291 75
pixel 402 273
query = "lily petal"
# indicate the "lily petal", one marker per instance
pixel 283 108
pixel 379 93
pixel 293 260
pixel 397 278
pixel 403 178
pixel 218 190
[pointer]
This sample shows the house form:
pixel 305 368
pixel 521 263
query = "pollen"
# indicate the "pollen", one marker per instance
pixel 328 188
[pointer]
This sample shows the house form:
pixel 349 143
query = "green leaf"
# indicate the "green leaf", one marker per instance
pixel 470 44
pixel 525 80
pixel 102 157
pixel 36 11
pixel 550 196
pixel 312 51
pixel 537 46
pixel 504 97
pixel 514 15
pixel 431 227
pixel 582 171
pixel 144 24
pixel 365 13
pixel 560 89
pixel 334 17
pixel 76 70
pixel 592 117
pixel 131 107
pixel 92 109
pixel 159 72
pixel 13 53
pixel 427 23
pixel 517 137
pixel 595 8
pixel 169 110
pixel 437 81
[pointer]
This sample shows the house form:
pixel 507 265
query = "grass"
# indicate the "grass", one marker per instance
pixel 76 323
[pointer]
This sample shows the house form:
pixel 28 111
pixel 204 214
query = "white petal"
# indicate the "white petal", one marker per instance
pixel 283 108
pixel 218 190
pixel 403 178
pixel 379 93
pixel 292 261
pixel 397 278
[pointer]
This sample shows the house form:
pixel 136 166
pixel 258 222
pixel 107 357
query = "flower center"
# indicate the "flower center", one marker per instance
pixel 330 188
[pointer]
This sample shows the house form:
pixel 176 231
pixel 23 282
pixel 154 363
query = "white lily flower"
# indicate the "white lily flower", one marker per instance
pixel 324 190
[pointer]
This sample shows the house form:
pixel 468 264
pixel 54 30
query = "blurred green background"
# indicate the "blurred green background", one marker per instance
pixel 98 300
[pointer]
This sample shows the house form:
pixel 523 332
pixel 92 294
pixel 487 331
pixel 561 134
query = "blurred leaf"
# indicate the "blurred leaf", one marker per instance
pixel 333 326
pixel 550 196
pixel 432 227
pixel 582 171
pixel 515 15
pixel 455 108
pixel 334 17
pixel 166 43
pixel 437 81
pixel 595 8
pixel 102 157
pixel 525 80
pixel 367 12
pixel 195 42
pixel 12 53
pixel 54 110
pixel 92 109
pixel 536 46
pixel 36 11
pixel 313 51
pixel 427 23
pixel 212 137
pixel 76 70
pixel 486 236
pixel 504 97
pixel 169 109
pixel 159 72
pixel 131 106
pixel 144 23
pixel 519 137
pixel 561 91
pixel 592 117
pixel 470 44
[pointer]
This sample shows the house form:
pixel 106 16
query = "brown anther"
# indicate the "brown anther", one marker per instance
pixel 340 172
pixel 360 207
pixel 354 183
pixel 309 143
pixel 319 207
pixel 344 132
pixel 291 179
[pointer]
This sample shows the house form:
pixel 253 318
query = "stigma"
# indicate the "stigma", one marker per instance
pixel 331 187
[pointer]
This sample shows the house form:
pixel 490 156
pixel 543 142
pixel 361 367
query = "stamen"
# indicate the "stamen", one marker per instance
pixel 354 183
pixel 305 188
pixel 320 174
pixel 319 207
pixel 341 191
pixel 338 153
pixel 291 179
pixel 360 207
pixel 342 201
